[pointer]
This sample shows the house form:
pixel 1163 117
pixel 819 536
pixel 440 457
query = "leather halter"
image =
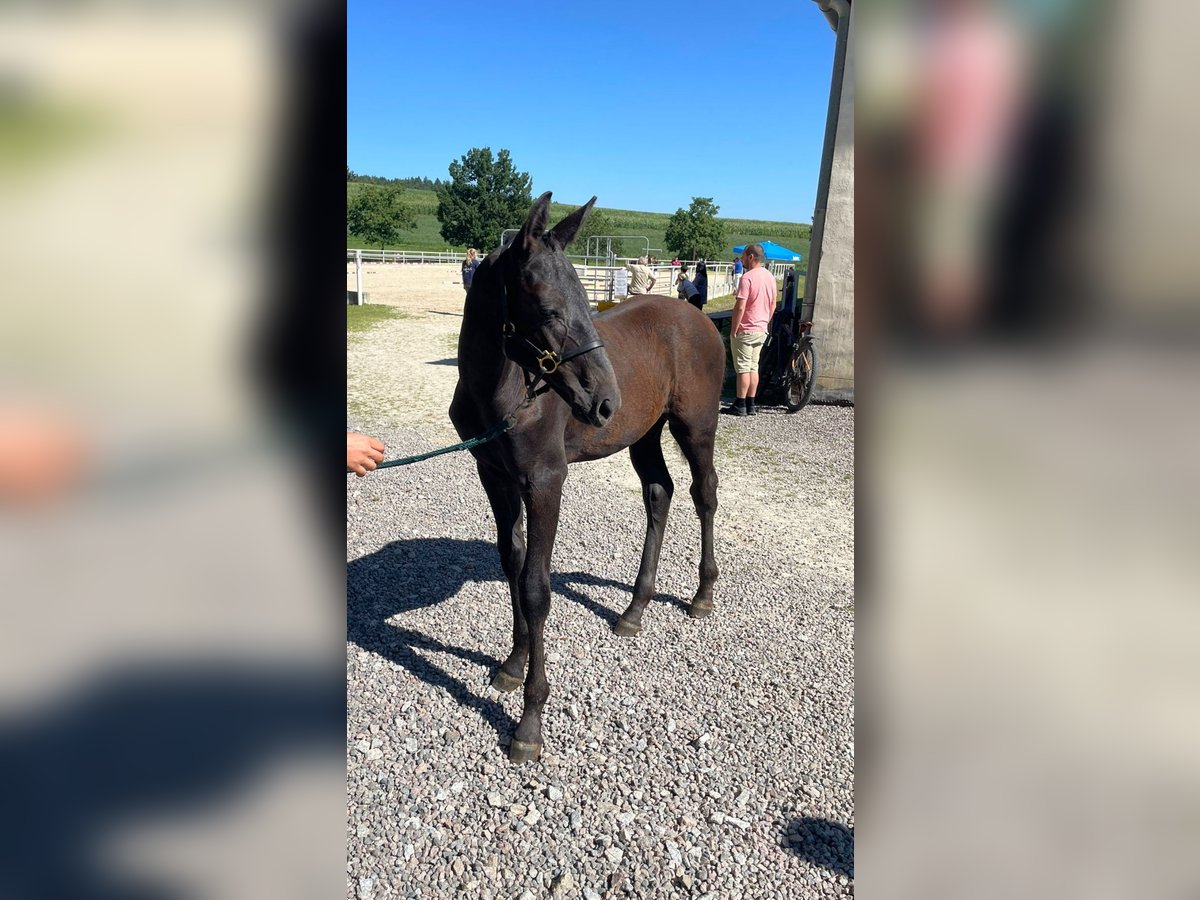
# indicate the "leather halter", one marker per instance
pixel 547 361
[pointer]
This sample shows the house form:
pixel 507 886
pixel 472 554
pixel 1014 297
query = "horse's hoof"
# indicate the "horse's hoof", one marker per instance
pixel 524 751
pixel 504 683
pixel 700 610
pixel 625 628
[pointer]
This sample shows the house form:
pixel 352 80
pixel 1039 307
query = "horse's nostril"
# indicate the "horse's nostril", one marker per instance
pixel 606 409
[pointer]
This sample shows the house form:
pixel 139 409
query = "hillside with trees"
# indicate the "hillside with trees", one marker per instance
pixel 420 183
pixel 427 235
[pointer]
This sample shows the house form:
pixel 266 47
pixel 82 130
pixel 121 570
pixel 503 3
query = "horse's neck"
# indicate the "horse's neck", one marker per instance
pixel 487 373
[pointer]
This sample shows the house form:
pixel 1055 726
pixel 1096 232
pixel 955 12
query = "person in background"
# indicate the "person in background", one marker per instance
pixel 687 289
pixel 641 279
pixel 736 274
pixel 701 282
pixel 971 104
pixel 675 263
pixel 470 264
pixel 363 453
pixel 681 275
pixel 748 327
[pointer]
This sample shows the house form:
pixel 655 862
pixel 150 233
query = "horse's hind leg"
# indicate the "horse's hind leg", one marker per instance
pixel 696 439
pixel 505 498
pixel 657 488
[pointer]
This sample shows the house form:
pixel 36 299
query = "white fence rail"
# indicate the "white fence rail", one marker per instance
pixel 407 256
pixel 597 279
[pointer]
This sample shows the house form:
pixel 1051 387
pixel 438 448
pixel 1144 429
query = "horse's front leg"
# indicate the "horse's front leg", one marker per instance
pixel 543 499
pixel 505 498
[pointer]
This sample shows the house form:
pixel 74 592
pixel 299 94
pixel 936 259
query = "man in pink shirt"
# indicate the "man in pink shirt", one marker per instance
pixel 752 313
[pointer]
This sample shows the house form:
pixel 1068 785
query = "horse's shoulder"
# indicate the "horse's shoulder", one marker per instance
pixel 464 411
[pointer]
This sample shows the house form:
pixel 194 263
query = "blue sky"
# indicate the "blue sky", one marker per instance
pixel 643 105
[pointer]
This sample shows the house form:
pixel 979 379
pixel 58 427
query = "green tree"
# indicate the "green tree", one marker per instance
pixel 378 215
pixel 695 232
pixel 484 196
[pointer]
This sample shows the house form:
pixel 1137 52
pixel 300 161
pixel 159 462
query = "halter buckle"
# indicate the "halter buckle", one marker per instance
pixel 548 362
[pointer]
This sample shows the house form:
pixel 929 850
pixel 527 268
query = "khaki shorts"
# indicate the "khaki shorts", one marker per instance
pixel 746 348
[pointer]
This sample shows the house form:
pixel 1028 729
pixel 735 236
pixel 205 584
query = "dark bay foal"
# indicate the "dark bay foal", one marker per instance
pixel 602 385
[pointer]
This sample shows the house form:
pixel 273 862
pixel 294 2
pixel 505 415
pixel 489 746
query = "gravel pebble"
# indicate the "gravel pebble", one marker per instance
pixel 562 885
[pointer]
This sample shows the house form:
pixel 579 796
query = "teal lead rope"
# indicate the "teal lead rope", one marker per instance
pixel 548 362
pixel 494 432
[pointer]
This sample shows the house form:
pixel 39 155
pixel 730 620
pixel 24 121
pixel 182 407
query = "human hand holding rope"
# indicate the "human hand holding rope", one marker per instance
pixel 363 453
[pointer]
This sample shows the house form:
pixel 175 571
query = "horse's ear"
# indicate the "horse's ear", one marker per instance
pixel 565 231
pixel 535 226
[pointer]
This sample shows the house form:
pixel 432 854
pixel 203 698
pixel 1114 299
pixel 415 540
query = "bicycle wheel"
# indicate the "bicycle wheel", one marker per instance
pixel 803 377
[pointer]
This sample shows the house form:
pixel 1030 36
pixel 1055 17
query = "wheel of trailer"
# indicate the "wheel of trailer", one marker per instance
pixel 804 376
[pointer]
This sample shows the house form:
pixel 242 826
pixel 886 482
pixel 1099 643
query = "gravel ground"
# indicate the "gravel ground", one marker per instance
pixel 700 758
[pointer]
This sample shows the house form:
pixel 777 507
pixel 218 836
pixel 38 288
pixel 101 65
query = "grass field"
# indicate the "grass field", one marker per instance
pixel 360 318
pixel 427 234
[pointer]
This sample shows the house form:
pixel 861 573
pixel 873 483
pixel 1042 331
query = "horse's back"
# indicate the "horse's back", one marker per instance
pixel 668 359
pixel 671 333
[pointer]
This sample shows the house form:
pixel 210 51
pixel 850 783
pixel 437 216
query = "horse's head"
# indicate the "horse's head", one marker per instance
pixel 551 320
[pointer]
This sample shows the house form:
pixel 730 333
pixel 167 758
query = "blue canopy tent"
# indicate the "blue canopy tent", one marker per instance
pixel 773 251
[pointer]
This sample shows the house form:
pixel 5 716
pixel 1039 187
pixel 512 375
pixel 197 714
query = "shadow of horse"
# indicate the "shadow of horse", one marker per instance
pixel 409 575
pixel 825 843
pixel 142 743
